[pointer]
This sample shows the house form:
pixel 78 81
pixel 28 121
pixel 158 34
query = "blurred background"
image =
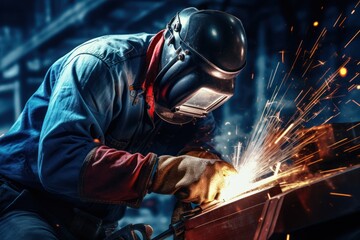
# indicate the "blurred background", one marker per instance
pixel 302 42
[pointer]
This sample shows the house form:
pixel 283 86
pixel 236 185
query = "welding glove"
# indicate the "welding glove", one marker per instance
pixel 191 179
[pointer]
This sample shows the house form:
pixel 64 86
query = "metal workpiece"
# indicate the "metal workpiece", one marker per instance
pixel 326 206
pixel 316 196
pixel 329 146
pixel 238 217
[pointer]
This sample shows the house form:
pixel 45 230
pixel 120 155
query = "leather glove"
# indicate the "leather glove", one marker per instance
pixel 191 179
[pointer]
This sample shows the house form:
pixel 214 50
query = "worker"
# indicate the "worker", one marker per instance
pixel 116 118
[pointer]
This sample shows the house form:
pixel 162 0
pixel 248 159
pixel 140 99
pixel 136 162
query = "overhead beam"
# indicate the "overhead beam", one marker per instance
pixel 68 18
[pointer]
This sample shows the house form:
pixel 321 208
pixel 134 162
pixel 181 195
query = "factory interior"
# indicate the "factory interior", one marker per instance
pixel 296 106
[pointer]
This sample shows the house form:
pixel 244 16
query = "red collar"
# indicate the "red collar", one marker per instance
pixel 153 57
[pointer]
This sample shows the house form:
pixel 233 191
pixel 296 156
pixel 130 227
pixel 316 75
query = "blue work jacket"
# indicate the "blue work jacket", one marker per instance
pixel 85 103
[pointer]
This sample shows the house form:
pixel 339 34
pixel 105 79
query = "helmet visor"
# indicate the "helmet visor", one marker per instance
pixel 202 102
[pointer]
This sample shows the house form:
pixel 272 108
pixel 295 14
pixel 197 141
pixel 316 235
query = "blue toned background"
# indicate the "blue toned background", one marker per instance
pixel 300 38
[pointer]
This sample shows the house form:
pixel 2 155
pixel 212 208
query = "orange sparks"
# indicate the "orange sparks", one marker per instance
pixel 356 102
pixel 334 170
pixel 356 74
pixel 272 76
pixel 319 160
pixel 338 142
pixel 283 134
pixel 352 87
pixel 340 194
pixel 352 39
pixel 282 56
pixel 353 148
pixel 353 11
pixel 297 54
pixel 316 44
pixel 353 126
pixel 298 95
pixel 331 118
pixel 287 236
pixel 337 20
pixel 343 71
pixel 321 63
pixel 316 23
pixel 307 68
pixel 341 23
pixel 358 87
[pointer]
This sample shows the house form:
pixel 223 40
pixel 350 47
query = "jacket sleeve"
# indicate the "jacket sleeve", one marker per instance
pixel 73 162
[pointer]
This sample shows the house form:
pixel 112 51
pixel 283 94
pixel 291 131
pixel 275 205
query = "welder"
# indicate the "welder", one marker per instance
pixel 116 118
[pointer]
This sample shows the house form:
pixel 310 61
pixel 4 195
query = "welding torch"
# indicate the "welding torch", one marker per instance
pixel 143 231
pixel 178 228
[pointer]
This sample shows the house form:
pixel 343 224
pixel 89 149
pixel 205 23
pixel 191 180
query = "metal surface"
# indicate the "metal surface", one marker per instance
pixel 313 209
pixel 238 217
pixel 317 198
pixel 325 208
pixel 330 146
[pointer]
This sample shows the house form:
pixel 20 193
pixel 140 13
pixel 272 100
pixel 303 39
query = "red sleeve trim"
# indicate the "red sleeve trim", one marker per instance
pixel 115 176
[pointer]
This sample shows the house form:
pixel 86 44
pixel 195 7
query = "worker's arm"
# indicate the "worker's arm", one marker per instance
pixel 73 162
pixel 191 179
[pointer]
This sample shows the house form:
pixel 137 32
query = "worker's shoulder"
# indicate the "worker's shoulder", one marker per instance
pixel 113 49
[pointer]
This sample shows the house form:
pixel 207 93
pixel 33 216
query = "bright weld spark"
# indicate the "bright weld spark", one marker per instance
pixel 296 58
pixel 332 170
pixel 283 134
pixel 272 76
pixel 337 20
pixel 356 75
pixel 320 63
pixel 316 44
pixel 357 4
pixel 352 149
pixel 337 143
pixel 307 69
pixel 334 116
pixel 340 194
pixel 352 87
pixel 282 56
pixel 341 23
pixel 260 155
pixel 353 127
pixel 352 39
pixel 355 102
pixel 325 73
pixel 346 142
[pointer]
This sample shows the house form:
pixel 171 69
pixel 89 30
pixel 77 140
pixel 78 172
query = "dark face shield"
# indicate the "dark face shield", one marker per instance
pixel 190 87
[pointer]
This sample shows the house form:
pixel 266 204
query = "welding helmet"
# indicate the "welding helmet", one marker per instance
pixel 203 53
